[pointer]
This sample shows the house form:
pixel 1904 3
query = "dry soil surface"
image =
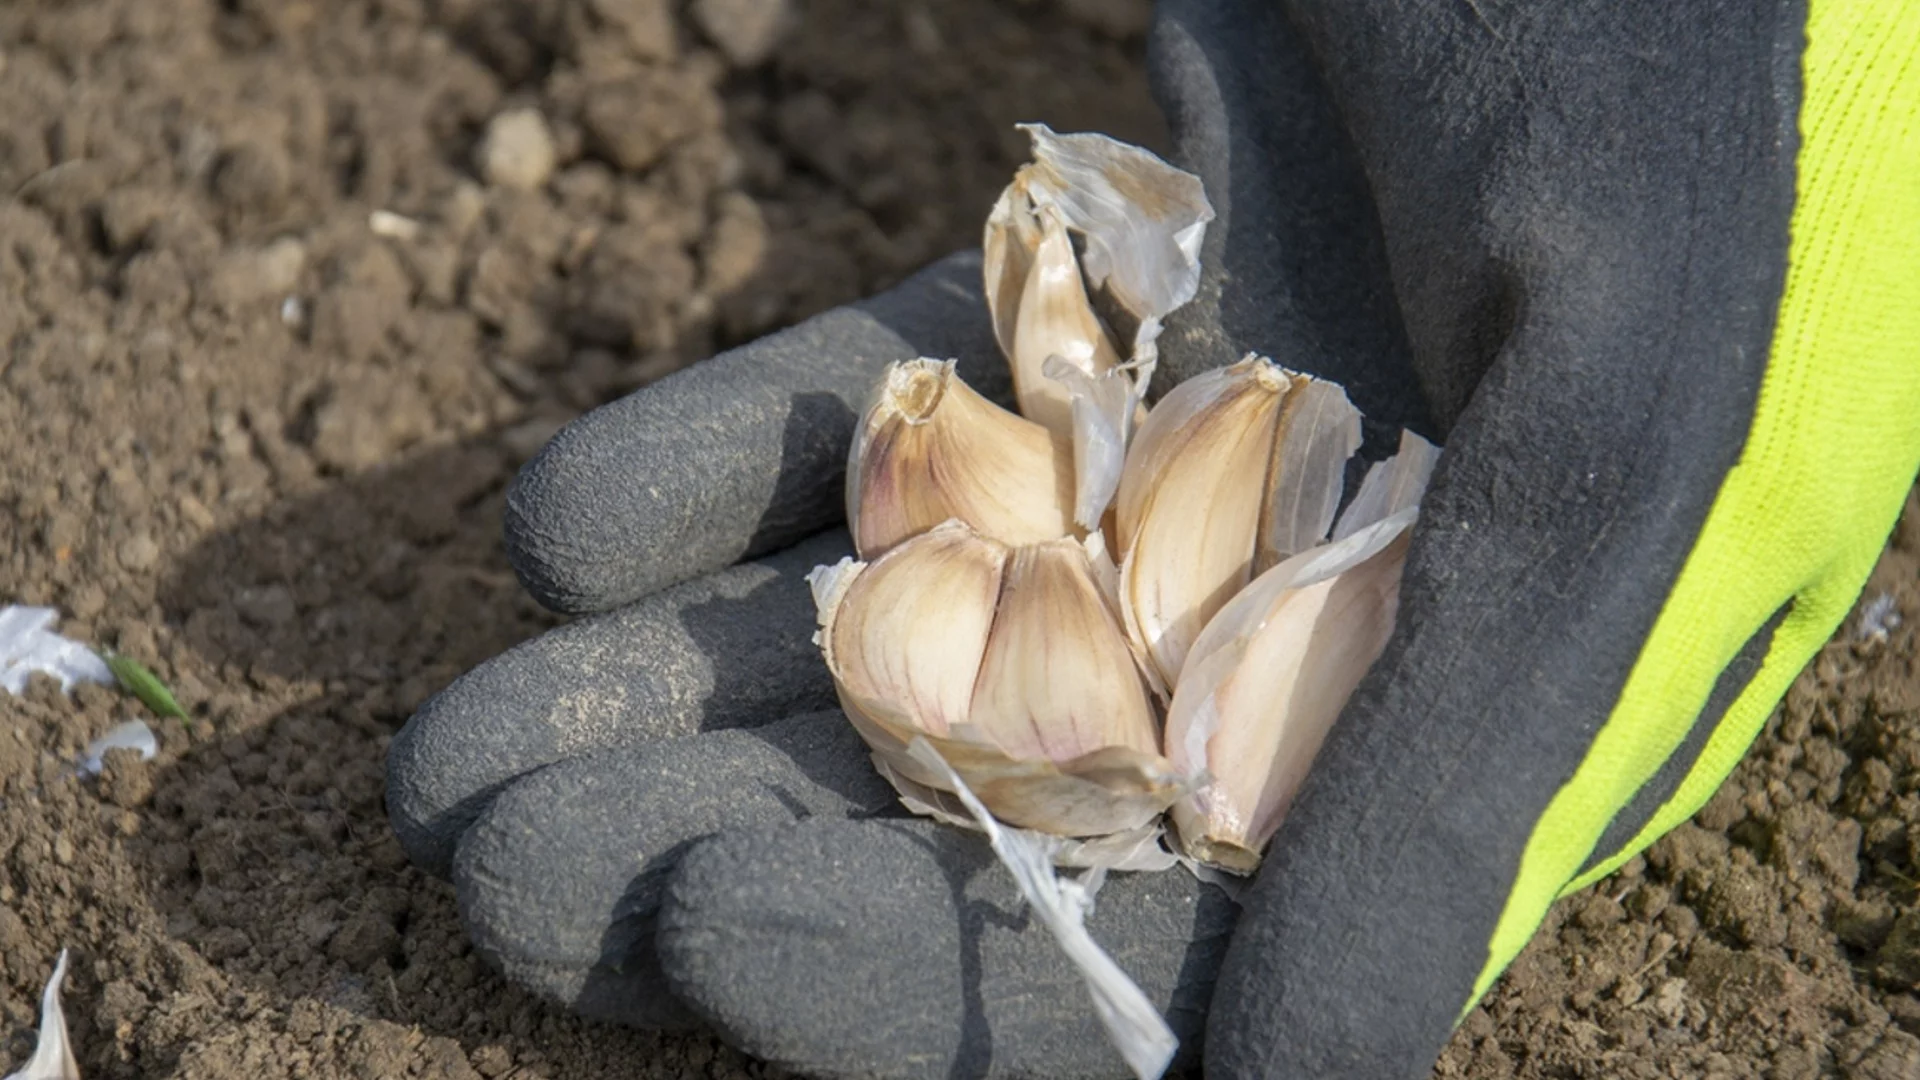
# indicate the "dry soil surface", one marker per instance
pixel 287 291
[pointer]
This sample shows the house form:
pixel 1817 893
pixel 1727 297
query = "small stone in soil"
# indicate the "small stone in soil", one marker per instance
pixel 518 150
pixel 747 31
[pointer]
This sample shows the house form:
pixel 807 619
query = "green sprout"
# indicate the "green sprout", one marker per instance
pixel 145 685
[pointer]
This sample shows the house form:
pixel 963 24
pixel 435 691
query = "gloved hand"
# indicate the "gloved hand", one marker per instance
pixel 1677 433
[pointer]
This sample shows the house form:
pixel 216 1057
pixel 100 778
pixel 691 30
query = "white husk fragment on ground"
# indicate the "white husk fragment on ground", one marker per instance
pixel 53 1055
pixel 132 735
pixel 28 645
pixel 1878 620
pixel 1133 1025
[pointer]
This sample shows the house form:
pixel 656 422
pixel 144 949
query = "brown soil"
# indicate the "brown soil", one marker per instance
pixel 1777 935
pixel 261 444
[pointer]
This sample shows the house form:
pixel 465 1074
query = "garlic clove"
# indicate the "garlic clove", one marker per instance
pixel 1007 252
pixel 1055 319
pixel 903 635
pixel 1058 680
pixel 1190 504
pixel 929 448
pixel 1255 711
pixel 1270 674
pixel 937 638
pixel 1237 469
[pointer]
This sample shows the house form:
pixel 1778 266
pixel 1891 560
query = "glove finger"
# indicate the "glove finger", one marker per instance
pixel 559 881
pixel 734 456
pixel 1293 265
pixel 730 649
pixel 900 948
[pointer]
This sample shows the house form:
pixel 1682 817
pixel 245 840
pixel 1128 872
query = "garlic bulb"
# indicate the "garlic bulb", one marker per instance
pixel 929 448
pixel 998 663
pixel 1235 469
pixel 1011 662
pixel 1271 672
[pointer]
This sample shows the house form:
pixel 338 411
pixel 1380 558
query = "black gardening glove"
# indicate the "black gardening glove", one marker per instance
pixel 1555 239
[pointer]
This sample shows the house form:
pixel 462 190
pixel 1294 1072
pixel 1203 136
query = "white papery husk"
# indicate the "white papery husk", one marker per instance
pixel 1267 678
pixel 1141 222
pixel 29 645
pixel 53 1053
pixel 1134 1027
pixel 929 448
pixel 1013 666
pixel 1236 469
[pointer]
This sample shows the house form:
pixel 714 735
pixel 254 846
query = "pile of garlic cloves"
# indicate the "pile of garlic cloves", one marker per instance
pixel 1097 616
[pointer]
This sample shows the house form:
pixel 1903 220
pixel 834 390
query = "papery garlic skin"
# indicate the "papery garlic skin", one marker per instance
pixel 1197 507
pixel 1011 661
pixel 53 1051
pixel 929 448
pixel 1104 409
pixel 1143 220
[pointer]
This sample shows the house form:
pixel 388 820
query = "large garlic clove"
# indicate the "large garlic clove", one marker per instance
pixel 929 448
pixel 1055 320
pixel 1058 680
pixel 1255 713
pixel 1010 661
pixel 1236 467
pixel 904 634
pixel 1269 675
